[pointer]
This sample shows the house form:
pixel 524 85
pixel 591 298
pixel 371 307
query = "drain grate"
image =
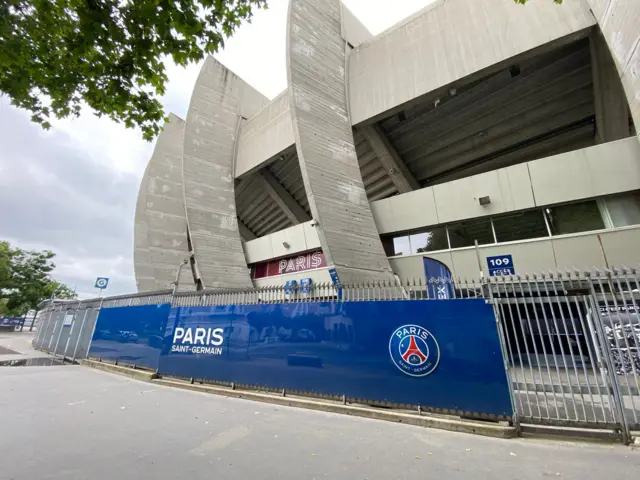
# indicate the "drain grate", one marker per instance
pixel 7 351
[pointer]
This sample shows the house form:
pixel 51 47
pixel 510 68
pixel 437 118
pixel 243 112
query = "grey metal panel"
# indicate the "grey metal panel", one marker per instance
pixel 449 42
pixel 86 335
pixel 219 100
pixel 163 220
pixel 325 143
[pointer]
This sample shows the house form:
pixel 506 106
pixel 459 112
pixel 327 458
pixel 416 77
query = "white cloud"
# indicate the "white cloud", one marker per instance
pixel 73 189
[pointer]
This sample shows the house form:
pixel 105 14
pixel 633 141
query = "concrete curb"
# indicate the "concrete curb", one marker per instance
pixel 450 424
pixel 136 374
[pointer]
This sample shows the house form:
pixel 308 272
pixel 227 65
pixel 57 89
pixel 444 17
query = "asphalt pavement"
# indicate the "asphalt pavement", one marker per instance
pixel 71 422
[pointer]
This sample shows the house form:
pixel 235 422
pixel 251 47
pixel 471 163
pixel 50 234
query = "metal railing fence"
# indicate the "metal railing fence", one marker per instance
pixel 570 340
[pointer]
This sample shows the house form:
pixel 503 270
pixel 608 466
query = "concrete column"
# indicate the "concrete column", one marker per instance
pixel 612 112
pixel 316 64
pixel 219 100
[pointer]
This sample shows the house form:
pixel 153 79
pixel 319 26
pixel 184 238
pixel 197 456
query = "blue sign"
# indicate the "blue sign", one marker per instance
pixel 439 279
pixel 414 350
pixel 290 287
pixel 305 285
pixel 132 335
pixel 440 354
pixel 101 283
pixel 501 266
pixel 336 281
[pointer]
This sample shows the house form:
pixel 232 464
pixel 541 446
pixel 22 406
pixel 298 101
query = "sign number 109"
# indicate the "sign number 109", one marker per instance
pixel 496 262
pixel 501 265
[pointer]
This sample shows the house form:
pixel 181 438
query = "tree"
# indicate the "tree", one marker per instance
pixel 25 279
pixel 60 290
pixel 56 55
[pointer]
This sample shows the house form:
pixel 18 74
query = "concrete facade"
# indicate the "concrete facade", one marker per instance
pixel 464 115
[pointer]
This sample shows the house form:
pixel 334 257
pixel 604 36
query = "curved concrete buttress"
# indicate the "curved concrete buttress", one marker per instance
pixel 142 267
pixel 324 141
pixel 160 224
pixel 619 21
pixel 219 101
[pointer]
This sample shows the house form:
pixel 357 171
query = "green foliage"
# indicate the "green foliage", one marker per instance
pixel 56 54
pixel 25 279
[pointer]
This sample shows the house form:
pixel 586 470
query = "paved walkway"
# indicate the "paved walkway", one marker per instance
pixel 19 342
pixel 70 422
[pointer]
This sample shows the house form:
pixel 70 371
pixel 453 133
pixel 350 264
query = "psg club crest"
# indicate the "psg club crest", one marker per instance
pixel 414 350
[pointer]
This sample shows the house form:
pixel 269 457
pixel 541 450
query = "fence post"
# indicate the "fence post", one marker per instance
pixel 611 376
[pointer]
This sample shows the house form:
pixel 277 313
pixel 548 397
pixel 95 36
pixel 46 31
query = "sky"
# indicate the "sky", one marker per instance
pixel 73 189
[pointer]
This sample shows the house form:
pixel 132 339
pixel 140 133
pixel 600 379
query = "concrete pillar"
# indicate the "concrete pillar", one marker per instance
pixel 218 102
pixel 316 65
pixel 612 111
pixel 160 228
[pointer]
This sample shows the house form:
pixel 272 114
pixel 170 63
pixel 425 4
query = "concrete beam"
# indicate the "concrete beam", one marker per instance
pixel 451 42
pixel 285 201
pixel 400 175
pixel 245 233
pixel 612 109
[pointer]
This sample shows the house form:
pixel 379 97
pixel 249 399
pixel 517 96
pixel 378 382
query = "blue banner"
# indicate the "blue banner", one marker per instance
pixel 441 354
pixel 439 279
pixel 132 335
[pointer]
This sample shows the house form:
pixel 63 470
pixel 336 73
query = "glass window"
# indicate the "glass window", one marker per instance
pixel 520 226
pixel 574 218
pixel 624 209
pixel 401 245
pixel 434 239
pixel 464 234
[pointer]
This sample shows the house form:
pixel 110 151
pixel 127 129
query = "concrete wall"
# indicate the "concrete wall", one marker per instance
pixel 219 101
pixel 591 172
pixel 324 141
pixel 264 135
pixel 544 255
pixel 300 238
pixel 450 41
pixel 160 228
pixel 619 20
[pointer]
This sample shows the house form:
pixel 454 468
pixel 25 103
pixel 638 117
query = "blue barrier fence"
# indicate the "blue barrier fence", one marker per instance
pixel 438 354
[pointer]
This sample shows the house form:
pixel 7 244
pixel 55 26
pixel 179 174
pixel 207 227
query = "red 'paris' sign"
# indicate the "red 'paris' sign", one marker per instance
pixel 283 266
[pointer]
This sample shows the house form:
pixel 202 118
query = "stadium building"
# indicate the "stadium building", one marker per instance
pixel 483 135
